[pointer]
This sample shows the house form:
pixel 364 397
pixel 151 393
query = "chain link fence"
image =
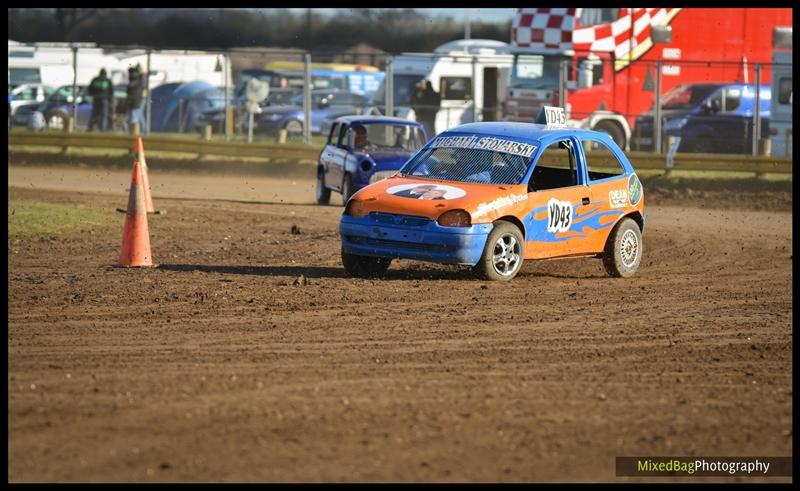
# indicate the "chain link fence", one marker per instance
pixel 706 106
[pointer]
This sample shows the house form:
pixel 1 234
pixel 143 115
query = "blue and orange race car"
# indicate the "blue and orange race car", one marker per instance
pixel 490 195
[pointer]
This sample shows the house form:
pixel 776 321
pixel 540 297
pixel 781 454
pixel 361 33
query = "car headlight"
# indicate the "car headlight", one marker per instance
pixel 455 218
pixel 675 124
pixel 355 209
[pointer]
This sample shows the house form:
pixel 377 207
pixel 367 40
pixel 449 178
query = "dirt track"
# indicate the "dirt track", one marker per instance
pixel 216 366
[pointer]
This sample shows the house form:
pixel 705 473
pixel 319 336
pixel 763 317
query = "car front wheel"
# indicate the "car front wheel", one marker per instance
pixel 323 193
pixel 623 251
pixel 503 253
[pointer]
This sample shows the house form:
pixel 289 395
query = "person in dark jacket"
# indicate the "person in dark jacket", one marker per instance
pixel 431 101
pixel 102 92
pixel 135 96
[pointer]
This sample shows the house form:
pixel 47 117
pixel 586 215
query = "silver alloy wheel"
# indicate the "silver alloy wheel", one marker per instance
pixel 628 248
pixel 506 255
pixel 294 126
pixel 56 122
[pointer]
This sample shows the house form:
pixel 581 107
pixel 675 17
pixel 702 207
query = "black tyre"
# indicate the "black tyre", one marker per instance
pixel 624 248
pixel 365 266
pixel 503 253
pixel 323 193
pixel 347 189
pixel 293 127
pixel 703 144
pixel 613 130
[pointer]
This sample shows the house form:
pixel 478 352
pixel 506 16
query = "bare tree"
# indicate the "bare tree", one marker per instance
pixel 69 19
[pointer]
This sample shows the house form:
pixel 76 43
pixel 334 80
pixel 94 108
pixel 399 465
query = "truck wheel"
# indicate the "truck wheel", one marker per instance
pixel 503 253
pixel 364 266
pixel 323 193
pixel 612 130
pixel 623 251
pixel 347 189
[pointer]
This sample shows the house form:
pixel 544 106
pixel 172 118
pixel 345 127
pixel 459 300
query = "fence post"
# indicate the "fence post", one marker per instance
pixel 136 129
pixel 74 87
pixel 149 100
pixel 757 111
pixel 657 111
pixel 228 118
pixel 474 89
pixel 389 87
pixel 307 100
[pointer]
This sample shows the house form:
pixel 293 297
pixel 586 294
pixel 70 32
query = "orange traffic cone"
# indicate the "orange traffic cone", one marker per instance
pixel 148 199
pixel 136 239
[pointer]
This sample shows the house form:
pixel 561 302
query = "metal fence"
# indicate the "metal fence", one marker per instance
pixel 705 106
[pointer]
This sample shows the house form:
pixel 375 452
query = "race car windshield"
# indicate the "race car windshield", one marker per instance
pixel 468 165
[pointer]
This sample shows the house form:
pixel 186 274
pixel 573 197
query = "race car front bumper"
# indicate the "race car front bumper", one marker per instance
pixel 400 236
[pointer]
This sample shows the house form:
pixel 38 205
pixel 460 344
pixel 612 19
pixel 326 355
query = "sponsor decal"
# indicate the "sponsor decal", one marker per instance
pixel 559 215
pixel 618 198
pixel 485 143
pixel 426 191
pixel 634 190
pixel 484 208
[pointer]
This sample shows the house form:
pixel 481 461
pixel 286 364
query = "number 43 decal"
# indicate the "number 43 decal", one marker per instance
pixel 559 215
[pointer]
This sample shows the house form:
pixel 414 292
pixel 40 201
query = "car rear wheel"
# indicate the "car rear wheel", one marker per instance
pixel 623 251
pixel 323 193
pixel 294 126
pixel 503 253
pixel 57 120
pixel 365 266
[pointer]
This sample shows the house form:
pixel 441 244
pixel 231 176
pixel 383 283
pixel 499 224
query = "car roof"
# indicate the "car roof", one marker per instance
pixel 375 119
pixel 522 131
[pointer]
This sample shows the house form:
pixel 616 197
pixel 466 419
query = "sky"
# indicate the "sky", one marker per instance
pixel 486 15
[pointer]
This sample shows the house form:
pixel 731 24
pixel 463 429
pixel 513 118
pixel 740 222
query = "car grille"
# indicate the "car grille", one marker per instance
pixel 381 174
pixel 393 219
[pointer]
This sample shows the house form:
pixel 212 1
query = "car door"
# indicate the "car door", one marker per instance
pixel 559 220
pixel 326 156
pixel 339 154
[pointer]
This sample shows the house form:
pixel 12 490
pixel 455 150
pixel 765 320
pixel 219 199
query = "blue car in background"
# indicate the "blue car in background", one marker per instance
pixel 707 118
pixel 349 162
pixel 178 107
pixel 57 108
pixel 324 104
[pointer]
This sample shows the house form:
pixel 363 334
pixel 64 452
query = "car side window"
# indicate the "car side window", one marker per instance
pixel 556 167
pixel 334 131
pixel 342 136
pixel 601 162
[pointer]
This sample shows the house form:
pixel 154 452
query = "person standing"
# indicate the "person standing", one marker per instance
pixel 135 95
pixel 102 92
pixel 431 101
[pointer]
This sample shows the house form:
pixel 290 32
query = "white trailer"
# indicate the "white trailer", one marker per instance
pixel 469 75
pixel 52 64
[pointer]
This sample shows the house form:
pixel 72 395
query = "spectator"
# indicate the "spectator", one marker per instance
pixel 417 98
pixel 102 92
pixel 135 95
pixel 431 101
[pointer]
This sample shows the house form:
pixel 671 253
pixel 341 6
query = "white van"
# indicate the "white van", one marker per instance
pixel 469 75
pixel 51 65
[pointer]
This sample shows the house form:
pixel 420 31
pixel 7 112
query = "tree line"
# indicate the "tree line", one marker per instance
pixel 393 31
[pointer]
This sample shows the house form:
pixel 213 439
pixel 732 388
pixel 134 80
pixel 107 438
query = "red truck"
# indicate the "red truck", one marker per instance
pixel 610 58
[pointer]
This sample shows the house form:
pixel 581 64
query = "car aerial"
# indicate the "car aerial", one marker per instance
pixel 363 150
pixel 324 103
pixel 706 118
pixel 490 195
